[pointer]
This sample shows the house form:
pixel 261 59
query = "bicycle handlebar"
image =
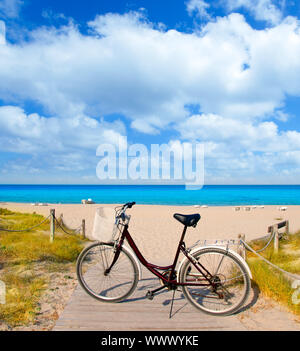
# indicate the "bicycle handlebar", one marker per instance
pixel 120 212
pixel 129 204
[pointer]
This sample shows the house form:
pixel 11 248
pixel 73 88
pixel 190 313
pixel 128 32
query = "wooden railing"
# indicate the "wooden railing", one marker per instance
pixel 274 230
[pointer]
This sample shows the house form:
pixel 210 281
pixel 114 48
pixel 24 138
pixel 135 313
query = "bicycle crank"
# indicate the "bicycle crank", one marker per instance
pixel 150 294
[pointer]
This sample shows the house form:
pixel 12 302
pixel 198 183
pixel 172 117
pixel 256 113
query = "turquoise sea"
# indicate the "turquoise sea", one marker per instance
pixel 217 195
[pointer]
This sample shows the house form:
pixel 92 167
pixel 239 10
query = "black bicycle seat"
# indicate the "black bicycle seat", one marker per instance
pixel 188 220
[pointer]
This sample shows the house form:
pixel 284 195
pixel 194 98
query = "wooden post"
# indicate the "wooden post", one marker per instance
pixel 83 228
pixel 52 224
pixel 276 237
pixel 287 228
pixel 241 248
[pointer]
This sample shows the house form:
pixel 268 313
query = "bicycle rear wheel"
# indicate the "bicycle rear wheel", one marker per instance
pixel 231 282
pixel 115 286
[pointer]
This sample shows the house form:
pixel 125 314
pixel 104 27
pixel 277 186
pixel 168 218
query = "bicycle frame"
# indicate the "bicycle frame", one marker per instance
pixel 154 269
pixel 110 270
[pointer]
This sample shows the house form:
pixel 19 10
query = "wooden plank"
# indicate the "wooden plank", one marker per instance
pixel 281 224
pixel 138 313
pixel 278 225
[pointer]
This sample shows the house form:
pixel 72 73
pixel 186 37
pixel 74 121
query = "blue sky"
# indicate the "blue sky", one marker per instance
pixel 77 74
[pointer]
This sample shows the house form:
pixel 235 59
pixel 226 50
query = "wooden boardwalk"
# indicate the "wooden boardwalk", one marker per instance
pixel 138 313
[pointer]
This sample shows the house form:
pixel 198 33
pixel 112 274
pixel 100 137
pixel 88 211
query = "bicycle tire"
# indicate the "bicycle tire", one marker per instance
pixel 205 298
pixel 118 284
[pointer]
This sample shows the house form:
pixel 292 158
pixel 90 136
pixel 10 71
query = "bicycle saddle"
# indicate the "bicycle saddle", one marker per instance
pixel 187 220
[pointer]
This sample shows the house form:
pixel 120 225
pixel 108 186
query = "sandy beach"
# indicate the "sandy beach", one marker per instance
pixel 156 232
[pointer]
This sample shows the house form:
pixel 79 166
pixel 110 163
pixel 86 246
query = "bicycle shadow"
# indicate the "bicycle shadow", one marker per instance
pixel 255 292
pixel 152 283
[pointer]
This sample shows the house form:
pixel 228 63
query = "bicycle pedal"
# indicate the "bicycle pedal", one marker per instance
pixel 150 295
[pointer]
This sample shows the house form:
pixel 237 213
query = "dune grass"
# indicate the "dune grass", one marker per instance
pixel 22 296
pixel 271 282
pixel 22 248
pixel 21 252
pixel 19 221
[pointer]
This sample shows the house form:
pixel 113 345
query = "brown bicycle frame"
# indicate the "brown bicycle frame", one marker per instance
pixel 154 268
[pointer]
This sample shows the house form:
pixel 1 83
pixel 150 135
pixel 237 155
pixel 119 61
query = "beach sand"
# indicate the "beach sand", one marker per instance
pixel 157 233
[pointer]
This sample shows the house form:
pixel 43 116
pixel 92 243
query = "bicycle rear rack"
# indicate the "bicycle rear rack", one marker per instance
pixel 217 242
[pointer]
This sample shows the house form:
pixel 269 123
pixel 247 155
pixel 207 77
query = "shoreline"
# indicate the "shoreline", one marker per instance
pixel 113 205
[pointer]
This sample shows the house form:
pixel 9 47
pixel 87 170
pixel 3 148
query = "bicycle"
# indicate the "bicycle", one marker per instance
pixel 215 280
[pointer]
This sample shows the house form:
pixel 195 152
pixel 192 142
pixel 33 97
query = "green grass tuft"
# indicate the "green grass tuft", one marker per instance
pixel 270 281
pixel 21 251
pixel 22 296
pixel 30 247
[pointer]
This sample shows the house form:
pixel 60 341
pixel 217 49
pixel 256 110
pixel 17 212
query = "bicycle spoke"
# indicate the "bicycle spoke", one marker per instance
pixel 229 282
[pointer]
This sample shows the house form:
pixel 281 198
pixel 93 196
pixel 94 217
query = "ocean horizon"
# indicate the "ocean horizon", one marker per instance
pixel 211 195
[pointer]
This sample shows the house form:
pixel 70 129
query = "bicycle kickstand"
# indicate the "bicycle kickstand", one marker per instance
pixel 171 308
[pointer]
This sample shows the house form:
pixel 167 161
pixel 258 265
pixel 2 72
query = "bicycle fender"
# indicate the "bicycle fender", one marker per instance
pixel 239 257
pixel 131 252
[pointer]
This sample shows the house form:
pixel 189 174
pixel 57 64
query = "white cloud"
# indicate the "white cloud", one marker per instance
pixel 126 65
pixel 235 150
pixel 50 15
pixel 199 7
pixel 239 135
pixel 10 8
pixel 263 10
pixel 2 32
pixel 69 143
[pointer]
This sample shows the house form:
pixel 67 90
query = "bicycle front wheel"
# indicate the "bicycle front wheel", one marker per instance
pixel 115 286
pixel 228 286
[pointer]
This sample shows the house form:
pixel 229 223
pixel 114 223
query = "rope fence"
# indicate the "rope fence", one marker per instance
pixel 275 236
pixel 25 230
pixel 61 224
pixel 241 243
pixel 249 248
pixel 53 221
